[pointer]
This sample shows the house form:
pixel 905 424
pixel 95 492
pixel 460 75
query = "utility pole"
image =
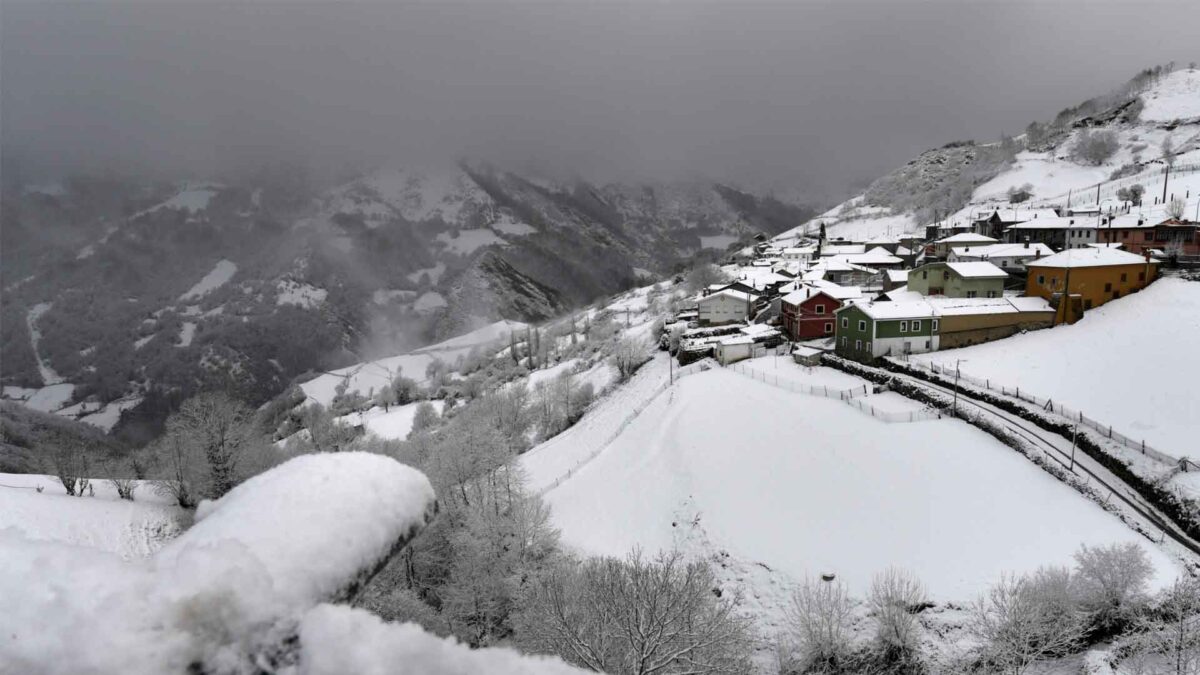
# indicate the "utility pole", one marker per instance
pixel 956 363
pixel 1166 174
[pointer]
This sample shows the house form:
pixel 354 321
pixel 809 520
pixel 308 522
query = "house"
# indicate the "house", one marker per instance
pixel 807 356
pixel 724 306
pixel 840 272
pixel 842 249
pixel 1057 233
pixel 893 279
pixel 752 341
pixel 877 259
pixel 993 224
pixel 887 243
pixel 800 253
pixel 808 313
pixel 1090 277
pixel 1137 233
pixel 867 331
pixel 941 247
pixel 958 279
pixel 1008 257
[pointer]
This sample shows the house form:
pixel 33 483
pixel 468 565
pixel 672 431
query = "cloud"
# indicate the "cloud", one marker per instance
pixel 810 94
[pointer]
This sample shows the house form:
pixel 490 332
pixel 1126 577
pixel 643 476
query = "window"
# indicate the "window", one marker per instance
pixel 1107 287
pixel 1148 236
pixel 862 325
pixel 945 275
pixel 916 326
pixel 971 294
pixel 991 294
pixel 1141 276
pixel 924 274
pixel 927 344
pixel 1041 279
pixel 820 309
pixel 858 345
pixel 868 346
pixel 934 326
pixel 845 341
pixel 903 326
pixel 845 322
pixel 1123 276
pixel 829 327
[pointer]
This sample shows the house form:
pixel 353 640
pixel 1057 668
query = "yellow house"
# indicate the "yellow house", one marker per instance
pixel 1091 277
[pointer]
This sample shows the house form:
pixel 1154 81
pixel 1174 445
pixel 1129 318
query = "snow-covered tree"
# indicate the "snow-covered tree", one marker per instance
pixel 819 620
pixel 1113 582
pixel 1021 620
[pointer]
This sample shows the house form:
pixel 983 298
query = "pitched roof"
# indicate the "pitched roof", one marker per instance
pixel 1002 251
pixel 1060 223
pixel 729 293
pixel 897 275
pixel 1088 257
pixel 933 307
pixel 963 237
pixel 977 270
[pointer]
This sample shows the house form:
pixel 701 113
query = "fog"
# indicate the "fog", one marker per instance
pixel 814 96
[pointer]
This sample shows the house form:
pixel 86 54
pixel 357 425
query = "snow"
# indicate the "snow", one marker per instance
pixel 717 241
pixel 333 641
pixel 141 342
pixel 1049 176
pixel 255 563
pixel 51 398
pixel 107 417
pixel 513 227
pixel 393 424
pixel 1087 257
pixel 468 241
pixel 1176 96
pixel 300 294
pixel 435 273
pixel 35 337
pixel 104 522
pixel 1115 364
pixel 384 296
pixel 373 375
pixel 429 301
pixel 186 333
pixel 192 198
pixel 940 498
pixel 219 276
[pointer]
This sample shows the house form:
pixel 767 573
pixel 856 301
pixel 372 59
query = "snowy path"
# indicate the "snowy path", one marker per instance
pixel 1134 508
pixel 49 377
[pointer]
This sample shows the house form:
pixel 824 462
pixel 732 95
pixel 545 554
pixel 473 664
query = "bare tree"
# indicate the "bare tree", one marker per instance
pixel 68 461
pixel 895 597
pixel 819 621
pixel 182 469
pixel 1168 639
pixel 1113 583
pixel 636 616
pixel 1168 151
pixel 1018 622
pixel 704 275
pixel 1094 147
pixel 628 355
pixel 1176 208
pixel 220 425
pixel 122 480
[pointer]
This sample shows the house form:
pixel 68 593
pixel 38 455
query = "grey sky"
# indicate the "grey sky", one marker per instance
pixel 804 93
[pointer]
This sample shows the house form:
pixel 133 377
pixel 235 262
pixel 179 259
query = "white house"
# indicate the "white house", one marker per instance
pixel 726 306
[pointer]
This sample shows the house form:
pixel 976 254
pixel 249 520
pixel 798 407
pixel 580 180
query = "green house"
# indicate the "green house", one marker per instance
pixel 958 280
pixel 867 331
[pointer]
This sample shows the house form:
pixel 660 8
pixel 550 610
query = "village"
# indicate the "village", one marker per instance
pixel 1001 272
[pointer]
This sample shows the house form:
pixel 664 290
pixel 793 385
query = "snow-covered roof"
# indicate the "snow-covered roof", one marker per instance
pixel 1060 223
pixel 728 293
pixel 736 340
pixel 1111 244
pixel 1088 257
pixel 1016 215
pixel 828 288
pixel 965 237
pixel 1003 250
pixel 977 270
pixel 807 351
pixel 903 250
pixel 897 275
pixel 936 306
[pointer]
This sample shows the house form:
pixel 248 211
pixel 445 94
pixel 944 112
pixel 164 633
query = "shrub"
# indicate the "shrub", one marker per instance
pixel 819 621
pixel 1023 619
pixel 1094 147
pixel 1112 583
pixel 894 599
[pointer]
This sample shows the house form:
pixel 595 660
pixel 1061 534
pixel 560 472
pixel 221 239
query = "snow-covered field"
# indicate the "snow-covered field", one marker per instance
pixel 392 424
pixel 103 522
pixel 805 485
pixel 1128 363
pixel 373 375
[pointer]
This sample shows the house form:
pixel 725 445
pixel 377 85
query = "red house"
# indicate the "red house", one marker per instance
pixel 808 312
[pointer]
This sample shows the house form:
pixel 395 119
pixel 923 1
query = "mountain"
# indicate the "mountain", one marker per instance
pixel 956 181
pixel 120 296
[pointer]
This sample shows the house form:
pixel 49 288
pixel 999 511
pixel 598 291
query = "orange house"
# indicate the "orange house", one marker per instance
pixel 1091 277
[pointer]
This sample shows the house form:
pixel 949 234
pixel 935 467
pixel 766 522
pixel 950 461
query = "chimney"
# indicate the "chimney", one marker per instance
pixel 1026 242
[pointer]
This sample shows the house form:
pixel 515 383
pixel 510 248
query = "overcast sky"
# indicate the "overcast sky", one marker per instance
pixel 801 93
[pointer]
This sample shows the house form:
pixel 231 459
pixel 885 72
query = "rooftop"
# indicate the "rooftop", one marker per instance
pixel 964 237
pixel 1002 250
pixel 1088 257
pixel 977 270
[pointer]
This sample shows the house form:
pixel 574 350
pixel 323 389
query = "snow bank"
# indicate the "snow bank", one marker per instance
pixel 235 583
pixel 740 460
pixel 333 641
pixel 1114 364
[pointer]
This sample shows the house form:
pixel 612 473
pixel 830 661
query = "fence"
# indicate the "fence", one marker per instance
pixel 1071 414
pixel 852 397
pixel 1110 188
pixel 607 440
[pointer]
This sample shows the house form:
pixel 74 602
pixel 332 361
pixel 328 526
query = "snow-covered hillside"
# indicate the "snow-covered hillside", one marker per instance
pixel 1127 363
pixel 1170 109
pixel 805 485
